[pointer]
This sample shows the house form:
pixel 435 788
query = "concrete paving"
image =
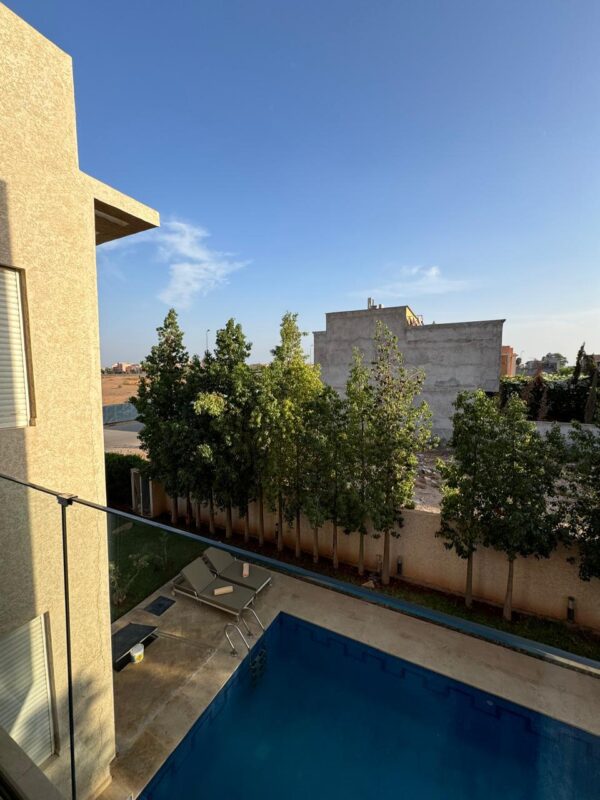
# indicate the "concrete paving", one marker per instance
pixel 122 437
pixel 158 700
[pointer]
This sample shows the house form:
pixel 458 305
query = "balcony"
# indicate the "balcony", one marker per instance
pixel 192 672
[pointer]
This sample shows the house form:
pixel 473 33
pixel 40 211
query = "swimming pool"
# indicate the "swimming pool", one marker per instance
pixel 311 714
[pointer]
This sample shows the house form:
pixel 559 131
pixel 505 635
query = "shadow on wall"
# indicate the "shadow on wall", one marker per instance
pixel 39 727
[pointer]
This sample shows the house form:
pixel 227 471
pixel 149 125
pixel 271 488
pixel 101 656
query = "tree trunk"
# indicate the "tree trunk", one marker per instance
pixel 469 586
pixel 188 510
pixel 228 523
pixel 385 567
pixel 246 525
pixel 211 513
pixel 280 524
pixel 335 546
pixel 361 554
pixel 197 513
pixel 316 544
pixel 298 549
pixel 507 612
pixel 174 514
pixel 261 517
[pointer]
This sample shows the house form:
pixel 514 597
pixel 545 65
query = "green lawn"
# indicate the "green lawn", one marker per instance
pixel 143 558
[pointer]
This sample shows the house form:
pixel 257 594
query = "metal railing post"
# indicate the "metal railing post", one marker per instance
pixel 66 500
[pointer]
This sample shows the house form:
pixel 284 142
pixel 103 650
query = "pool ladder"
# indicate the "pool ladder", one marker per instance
pixel 233 626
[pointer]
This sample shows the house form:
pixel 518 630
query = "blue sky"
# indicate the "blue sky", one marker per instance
pixel 305 154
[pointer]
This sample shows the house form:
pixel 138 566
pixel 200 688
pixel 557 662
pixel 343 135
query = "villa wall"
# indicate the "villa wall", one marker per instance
pixel 541 586
pixel 48 233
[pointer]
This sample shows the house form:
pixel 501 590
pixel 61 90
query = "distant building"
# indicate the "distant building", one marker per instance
pixel 551 363
pixel 508 361
pixel 454 356
pixel 122 367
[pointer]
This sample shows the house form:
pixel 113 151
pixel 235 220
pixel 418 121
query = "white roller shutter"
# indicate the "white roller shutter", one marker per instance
pixel 25 709
pixel 14 399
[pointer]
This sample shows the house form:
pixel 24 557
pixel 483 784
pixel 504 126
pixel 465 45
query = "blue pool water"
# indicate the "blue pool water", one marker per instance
pixel 313 715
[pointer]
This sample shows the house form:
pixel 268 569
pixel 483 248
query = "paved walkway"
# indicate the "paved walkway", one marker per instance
pixel 122 437
pixel 157 701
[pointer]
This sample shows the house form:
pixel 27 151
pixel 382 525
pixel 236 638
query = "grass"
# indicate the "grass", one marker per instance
pixel 563 635
pixel 143 559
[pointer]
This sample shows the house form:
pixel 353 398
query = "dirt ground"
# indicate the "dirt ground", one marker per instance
pixel 427 486
pixel 118 388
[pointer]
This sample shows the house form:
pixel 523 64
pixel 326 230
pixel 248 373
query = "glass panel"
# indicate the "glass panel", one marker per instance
pixel 33 662
pixel 142 559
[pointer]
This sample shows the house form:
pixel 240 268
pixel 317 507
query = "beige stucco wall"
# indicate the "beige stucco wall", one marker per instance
pixel 47 230
pixel 540 586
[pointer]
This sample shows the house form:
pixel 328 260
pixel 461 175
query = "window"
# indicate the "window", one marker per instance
pixel 25 708
pixel 14 394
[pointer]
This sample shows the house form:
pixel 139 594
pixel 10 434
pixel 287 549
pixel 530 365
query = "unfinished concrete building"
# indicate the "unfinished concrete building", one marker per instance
pixel 453 355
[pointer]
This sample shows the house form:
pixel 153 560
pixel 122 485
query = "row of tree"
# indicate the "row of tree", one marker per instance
pixel 510 488
pixel 223 432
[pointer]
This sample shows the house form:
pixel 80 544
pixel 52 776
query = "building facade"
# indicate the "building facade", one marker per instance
pixel 454 356
pixel 508 363
pixel 52 216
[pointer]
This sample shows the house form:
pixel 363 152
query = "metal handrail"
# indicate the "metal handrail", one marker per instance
pixel 235 627
pixel 254 614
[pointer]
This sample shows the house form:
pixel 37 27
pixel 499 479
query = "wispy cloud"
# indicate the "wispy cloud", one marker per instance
pixel 193 267
pixel 413 281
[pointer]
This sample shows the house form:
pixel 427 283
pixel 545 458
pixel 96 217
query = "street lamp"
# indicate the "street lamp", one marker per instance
pixel 207 332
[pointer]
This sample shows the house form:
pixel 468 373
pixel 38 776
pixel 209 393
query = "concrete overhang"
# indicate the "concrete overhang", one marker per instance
pixel 117 214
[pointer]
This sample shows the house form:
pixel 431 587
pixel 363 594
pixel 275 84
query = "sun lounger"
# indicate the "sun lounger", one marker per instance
pixel 198 582
pixel 228 568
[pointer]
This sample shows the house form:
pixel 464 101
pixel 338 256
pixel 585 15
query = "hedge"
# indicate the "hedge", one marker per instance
pixel 118 477
pixel 548 398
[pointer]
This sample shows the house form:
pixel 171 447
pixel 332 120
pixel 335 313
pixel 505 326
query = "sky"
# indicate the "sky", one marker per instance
pixel 307 154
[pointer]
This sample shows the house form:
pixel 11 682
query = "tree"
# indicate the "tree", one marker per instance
pixel 225 407
pixel 323 431
pixel 521 518
pixel 400 429
pixel 290 384
pixel 260 440
pixel 581 499
pixel 579 364
pixel 591 403
pixel 160 401
pixel 467 476
pixel 356 453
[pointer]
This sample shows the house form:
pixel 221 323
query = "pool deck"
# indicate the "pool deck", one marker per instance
pixel 158 700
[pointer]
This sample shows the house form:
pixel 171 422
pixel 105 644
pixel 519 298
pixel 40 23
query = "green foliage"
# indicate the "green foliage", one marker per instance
pixel 520 519
pixel 400 429
pixel 582 500
pixel 499 489
pixel 118 477
pixel 224 409
pixel 289 385
pixel 466 490
pixel 162 404
pixel 356 452
pixel 324 437
pixel 560 397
